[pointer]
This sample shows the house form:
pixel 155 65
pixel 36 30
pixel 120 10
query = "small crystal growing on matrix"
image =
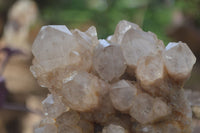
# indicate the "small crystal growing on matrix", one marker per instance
pixel 129 83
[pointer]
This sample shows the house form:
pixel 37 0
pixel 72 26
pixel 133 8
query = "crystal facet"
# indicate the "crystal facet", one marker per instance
pixel 108 61
pixel 122 95
pixel 179 60
pixel 128 83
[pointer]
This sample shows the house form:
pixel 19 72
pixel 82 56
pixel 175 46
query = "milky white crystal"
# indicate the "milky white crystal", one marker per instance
pixel 47 125
pixel 129 83
pixel 81 92
pixel 68 118
pixel 146 109
pixel 121 28
pixel 56 44
pixel 136 44
pixel 62 48
pixel 53 106
pixel 108 61
pixel 122 95
pixel 46 129
pixel 151 72
pixel 179 60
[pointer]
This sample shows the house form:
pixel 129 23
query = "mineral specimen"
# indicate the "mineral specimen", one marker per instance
pixel 129 83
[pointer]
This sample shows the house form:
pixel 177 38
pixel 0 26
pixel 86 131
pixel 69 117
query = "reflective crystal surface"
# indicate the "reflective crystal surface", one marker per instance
pixel 122 95
pixel 108 61
pixel 179 60
pixel 136 44
pixel 146 109
pixel 129 83
pixel 53 106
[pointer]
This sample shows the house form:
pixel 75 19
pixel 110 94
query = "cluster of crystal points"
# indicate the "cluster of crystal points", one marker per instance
pixel 127 83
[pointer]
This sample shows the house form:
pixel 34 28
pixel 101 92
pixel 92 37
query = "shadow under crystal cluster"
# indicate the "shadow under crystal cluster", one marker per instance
pixel 127 83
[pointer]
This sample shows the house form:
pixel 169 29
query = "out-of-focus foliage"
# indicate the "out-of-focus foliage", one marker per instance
pixel 190 8
pixel 151 15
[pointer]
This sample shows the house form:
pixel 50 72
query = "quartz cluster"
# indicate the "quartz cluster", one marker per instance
pixel 127 83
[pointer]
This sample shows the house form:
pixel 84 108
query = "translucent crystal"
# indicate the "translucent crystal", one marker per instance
pixel 146 109
pixel 136 44
pixel 122 95
pixel 166 127
pixel 179 61
pixel 122 120
pixel 150 72
pixel 114 129
pixel 69 129
pixel 47 120
pixel 69 118
pixel 122 27
pixel 81 91
pixel 180 103
pixel 49 128
pixel 53 106
pixel 86 126
pixel 55 42
pixel 93 34
pixel 128 83
pixel 108 61
pixel 59 53
pixel 104 111
pixel 47 125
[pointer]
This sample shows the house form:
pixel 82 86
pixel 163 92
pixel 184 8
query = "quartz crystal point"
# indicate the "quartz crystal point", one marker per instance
pixel 146 109
pixel 55 42
pixel 63 49
pixel 129 83
pixel 108 61
pixel 81 91
pixel 48 128
pixel 122 27
pixel 122 95
pixel 69 118
pixel 151 72
pixel 136 44
pixel 47 125
pixel 179 61
pixel 53 106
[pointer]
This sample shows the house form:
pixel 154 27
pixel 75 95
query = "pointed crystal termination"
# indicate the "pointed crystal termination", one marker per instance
pixel 48 128
pixel 122 95
pixel 146 109
pixel 179 61
pixel 150 72
pixel 53 106
pixel 47 125
pixel 122 27
pixel 129 83
pixel 136 44
pixel 81 91
pixel 56 42
pixel 69 118
pixel 108 61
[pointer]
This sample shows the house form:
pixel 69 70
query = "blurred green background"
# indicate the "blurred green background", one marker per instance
pixel 151 15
